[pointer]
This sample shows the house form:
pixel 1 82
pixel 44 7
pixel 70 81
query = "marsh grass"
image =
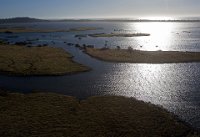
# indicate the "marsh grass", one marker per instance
pixel 21 60
pixel 53 115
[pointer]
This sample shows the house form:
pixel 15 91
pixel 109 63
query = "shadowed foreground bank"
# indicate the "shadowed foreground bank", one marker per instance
pixel 26 61
pixel 53 115
pixel 137 56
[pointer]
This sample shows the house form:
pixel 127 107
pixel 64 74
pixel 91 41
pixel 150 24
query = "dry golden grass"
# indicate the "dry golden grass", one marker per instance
pixel 136 56
pixel 53 115
pixel 21 60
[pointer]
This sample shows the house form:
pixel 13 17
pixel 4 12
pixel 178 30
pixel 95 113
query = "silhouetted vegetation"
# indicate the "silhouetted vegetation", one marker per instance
pixel 80 36
pixel 43 45
pixel 23 43
pixel 118 47
pixel 77 46
pixel 130 49
pixel 8 32
pixel 70 44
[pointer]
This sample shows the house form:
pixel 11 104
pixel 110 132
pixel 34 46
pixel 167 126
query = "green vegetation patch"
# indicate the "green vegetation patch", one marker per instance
pixel 135 56
pixel 52 115
pixel 21 60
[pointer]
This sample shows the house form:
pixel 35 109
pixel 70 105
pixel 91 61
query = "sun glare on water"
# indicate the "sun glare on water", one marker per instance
pixel 157 18
pixel 160 35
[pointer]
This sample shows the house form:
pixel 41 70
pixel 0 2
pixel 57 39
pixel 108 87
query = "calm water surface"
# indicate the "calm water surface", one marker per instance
pixel 176 87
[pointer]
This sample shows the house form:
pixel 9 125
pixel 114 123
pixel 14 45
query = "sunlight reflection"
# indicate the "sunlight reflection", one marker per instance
pixel 151 74
pixel 158 18
pixel 160 33
pixel 146 82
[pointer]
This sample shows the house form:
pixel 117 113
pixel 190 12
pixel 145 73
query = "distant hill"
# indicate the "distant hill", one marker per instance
pixel 21 20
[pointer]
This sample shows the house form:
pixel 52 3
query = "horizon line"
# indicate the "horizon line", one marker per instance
pixel 108 18
pixel 143 19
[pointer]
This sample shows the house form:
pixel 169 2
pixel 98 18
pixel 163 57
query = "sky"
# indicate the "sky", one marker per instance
pixel 57 9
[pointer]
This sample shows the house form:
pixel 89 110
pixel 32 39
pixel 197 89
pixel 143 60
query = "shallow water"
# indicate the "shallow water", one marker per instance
pixel 173 86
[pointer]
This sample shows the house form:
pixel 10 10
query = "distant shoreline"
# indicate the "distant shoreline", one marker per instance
pixel 34 20
pixel 126 20
pixel 33 30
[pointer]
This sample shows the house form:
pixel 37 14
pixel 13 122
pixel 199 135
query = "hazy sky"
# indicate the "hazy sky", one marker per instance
pixel 98 8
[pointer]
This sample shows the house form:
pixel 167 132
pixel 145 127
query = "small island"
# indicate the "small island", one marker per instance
pixel 83 29
pixel 54 115
pixel 26 61
pixel 119 35
pixel 136 56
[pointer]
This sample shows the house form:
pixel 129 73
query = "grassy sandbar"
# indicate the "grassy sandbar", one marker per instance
pixel 136 56
pixel 21 60
pixel 119 35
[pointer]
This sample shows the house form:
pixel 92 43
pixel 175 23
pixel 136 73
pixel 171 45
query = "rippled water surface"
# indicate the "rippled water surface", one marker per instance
pixel 176 87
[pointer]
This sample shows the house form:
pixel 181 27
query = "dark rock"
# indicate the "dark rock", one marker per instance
pixel 22 43
pixel 118 47
pixel 77 45
pixel 70 44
